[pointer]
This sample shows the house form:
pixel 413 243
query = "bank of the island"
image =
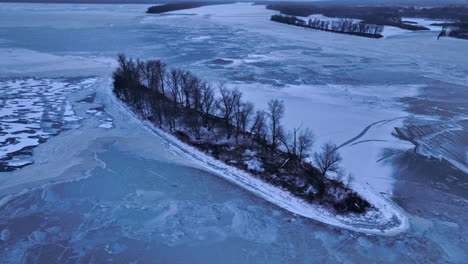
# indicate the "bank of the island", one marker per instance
pixel 214 126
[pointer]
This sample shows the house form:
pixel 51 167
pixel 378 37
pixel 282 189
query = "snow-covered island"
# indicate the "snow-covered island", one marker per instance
pixel 251 148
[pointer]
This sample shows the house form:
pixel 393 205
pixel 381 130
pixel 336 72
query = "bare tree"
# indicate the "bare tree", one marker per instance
pixel 208 103
pixel 173 79
pixel 149 75
pixel 187 82
pixel 194 122
pixel 242 113
pixel 129 69
pixel 258 128
pixel 245 115
pixel 275 112
pixel 153 73
pixel 171 115
pixel 172 111
pixel 297 142
pixel 151 78
pixel 351 178
pixel 196 97
pixel 345 26
pixel 305 142
pixel 237 118
pixel 289 141
pixel 157 107
pixel 226 107
pixel 161 71
pixel 328 160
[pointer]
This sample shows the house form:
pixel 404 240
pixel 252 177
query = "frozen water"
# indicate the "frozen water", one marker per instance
pixel 139 200
pixel 32 110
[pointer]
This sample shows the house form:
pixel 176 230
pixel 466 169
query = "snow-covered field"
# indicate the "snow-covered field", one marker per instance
pixel 141 199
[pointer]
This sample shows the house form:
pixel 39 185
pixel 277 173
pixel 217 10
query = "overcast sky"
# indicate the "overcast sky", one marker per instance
pixel 419 2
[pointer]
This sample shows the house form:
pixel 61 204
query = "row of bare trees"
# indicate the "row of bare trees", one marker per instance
pixel 179 100
pixel 348 26
pixel 345 26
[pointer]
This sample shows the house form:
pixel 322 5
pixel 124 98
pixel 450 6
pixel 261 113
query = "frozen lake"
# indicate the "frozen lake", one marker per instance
pixel 82 181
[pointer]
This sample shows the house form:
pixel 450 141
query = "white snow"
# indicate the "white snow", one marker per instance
pixel 69 114
pixel 389 31
pixel 23 142
pixel 106 125
pixel 254 164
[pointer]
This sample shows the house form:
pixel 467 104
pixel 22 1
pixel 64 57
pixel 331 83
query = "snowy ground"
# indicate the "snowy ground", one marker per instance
pixel 141 200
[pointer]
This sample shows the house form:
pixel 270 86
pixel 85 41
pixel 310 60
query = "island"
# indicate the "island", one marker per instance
pixel 159 9
pixel 343 26
pixel 218 123
pixel 454 30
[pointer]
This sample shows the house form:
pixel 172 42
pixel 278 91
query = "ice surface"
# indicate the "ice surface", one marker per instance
pixel 140 200
pixel 32 110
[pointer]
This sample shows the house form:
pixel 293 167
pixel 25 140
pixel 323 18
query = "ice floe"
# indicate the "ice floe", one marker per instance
pixel 32 110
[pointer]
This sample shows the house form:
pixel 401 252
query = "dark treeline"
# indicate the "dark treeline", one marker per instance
pixel 455 30
pixel 181 6
pixel 379 15
pixel 218 121
pixel 454 12
pixel 346 26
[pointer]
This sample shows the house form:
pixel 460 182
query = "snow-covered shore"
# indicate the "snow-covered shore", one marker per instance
pixel 387 218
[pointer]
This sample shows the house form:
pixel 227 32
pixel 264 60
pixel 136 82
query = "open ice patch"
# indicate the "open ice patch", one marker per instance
pixel 104 119
pixel 32 110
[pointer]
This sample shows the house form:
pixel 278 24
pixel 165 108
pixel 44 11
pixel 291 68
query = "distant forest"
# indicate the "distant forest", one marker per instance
pixel 455 30
pixel 321 3
pixel 218 121
pixel 174 7
pixel 379 15
pixel 182 5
